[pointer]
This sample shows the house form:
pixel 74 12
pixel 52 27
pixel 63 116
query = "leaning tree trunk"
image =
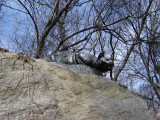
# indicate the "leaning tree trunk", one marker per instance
pixel 123 63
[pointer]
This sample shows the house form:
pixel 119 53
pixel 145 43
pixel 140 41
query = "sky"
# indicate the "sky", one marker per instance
pixel 7 23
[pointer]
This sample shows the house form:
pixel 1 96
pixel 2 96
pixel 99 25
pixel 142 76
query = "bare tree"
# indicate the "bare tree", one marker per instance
pixel 143 64
pixel 56 14
pixel 138 32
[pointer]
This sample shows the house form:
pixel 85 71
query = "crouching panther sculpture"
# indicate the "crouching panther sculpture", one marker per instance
pixel 102 64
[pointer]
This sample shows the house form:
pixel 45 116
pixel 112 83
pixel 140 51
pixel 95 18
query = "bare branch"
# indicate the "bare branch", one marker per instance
pixel 85 38
pixel 35 25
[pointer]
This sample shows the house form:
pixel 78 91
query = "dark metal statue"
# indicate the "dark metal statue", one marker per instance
pixel 101 63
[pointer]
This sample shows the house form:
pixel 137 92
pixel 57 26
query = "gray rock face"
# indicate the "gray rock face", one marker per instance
pixel 37 90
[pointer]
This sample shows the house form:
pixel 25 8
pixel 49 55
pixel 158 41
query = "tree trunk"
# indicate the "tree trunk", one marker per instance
pixel 124 63
pixel 51 23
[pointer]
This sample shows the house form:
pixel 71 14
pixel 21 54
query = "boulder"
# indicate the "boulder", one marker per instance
pixel 34 89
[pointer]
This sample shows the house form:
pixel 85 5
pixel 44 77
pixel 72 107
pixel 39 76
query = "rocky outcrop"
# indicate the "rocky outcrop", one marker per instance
pixel 37 90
